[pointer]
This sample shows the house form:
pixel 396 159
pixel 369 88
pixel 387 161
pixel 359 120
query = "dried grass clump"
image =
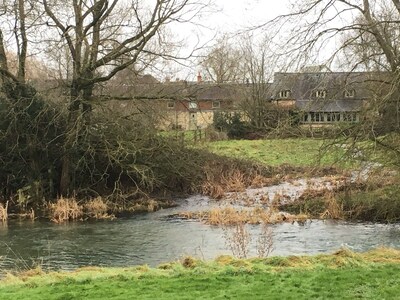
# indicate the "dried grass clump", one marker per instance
pixel 212 189
pixel 4 212
pixel 149 205
pixel 334 209
pixel 65 209
pixel 229 216
pixel 97 209
pixel 235 182
pixel 189 262
pixel 231 177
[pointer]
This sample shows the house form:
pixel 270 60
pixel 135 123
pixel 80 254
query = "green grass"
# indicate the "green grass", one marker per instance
pixel 296 152
pixel 343 275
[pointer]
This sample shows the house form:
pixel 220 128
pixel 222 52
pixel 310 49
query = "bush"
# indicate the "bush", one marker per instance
pixel 232 124
pixel 31 137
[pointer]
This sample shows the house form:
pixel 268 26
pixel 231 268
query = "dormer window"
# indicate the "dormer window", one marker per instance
pixel 320 94
pixel 171 104
pixel 349 93
pixel 284 94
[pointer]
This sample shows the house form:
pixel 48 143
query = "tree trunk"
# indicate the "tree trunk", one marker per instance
pixel 78 118
pixel 69 143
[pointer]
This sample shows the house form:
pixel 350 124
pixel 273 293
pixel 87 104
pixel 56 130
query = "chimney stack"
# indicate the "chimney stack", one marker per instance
pixel 199 78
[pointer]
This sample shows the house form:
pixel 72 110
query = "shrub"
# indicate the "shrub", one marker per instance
pixel 232 124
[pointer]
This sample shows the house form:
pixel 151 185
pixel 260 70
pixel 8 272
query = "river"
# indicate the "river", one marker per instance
pixel 155 238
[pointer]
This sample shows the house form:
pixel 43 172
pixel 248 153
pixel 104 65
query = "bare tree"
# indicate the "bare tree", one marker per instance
pixel 257 67
pixel 88 43
pixel 103 38
pixel 17 10
pixel 222 63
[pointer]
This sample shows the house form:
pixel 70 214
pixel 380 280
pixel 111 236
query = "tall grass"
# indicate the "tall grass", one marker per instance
pixel 96 208
pixel 4 212
pixel 65 209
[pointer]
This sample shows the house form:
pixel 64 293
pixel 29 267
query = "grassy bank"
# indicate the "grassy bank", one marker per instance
pixel 303 152
pixel 343 275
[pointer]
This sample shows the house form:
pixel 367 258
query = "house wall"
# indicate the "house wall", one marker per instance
pixel 186 120
pixel 203 105
pixel 287 103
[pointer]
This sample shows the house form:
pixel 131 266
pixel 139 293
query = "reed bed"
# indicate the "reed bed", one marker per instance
pixel 65 209
pixel 96 208
pixel 223 216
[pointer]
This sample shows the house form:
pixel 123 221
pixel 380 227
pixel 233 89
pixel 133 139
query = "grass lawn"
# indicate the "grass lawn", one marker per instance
pixel 295 152
pixel 343 275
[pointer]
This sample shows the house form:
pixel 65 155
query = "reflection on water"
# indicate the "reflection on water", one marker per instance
pixel 154 238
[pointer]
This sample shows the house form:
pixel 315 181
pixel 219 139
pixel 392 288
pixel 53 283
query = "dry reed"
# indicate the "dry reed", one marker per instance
pixel 97 208
pixel 334 209
pixel 4 212
pixel 65 209
pixel 220 179
pixel 232 216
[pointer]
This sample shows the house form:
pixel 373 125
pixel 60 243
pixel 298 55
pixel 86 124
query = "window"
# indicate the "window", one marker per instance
pixel 350 117
pixel 320 94
pixel 333 117
pixel 317 117
pixel 285 94
pixel 216 104
pixel 305 118
pixel 329 117
pixel 192 105
pixel 349 93
pixel 171 104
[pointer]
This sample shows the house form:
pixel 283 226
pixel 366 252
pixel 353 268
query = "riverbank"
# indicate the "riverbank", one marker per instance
pixel 342 275
pixel 221 170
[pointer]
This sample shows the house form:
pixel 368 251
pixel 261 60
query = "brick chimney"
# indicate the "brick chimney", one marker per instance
pixel 199 78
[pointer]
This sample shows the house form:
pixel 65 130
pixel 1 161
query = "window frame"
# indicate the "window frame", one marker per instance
pixel 320 94
pixel 350 93
pixel 171 104
pixel 213 105
pixel 284 94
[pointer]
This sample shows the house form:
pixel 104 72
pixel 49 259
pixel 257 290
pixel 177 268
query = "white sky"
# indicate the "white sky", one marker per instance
pixel 238 13
pixel 230 17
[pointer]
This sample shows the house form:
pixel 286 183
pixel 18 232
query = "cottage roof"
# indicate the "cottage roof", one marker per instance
pixel 217 92
pixel 304 85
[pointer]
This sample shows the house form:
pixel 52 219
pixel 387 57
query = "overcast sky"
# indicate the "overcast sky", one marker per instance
pixel 230 17
pixel 238 13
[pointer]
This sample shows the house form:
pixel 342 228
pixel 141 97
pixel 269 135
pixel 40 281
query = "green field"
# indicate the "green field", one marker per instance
pixel 296 152
pixel 343 275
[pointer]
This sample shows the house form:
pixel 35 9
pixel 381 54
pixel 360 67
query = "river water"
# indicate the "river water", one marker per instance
pixel 155 238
